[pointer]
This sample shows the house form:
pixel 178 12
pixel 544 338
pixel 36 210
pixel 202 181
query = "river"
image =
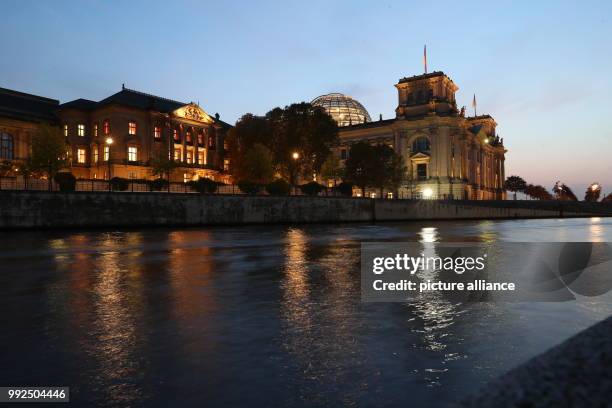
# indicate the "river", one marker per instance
pixel 262 316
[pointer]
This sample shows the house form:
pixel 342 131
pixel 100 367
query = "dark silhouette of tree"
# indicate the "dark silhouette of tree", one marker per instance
pixel 563 192
pixel 6 168
pixel 332 169
pixel 374 166
pixel 537 192
pixel 256 166
pixel 162 165
pixel 592 192
pixel 49 152
pixel 299 128
pixel 359 167
pixel 515 184
pixel 607 199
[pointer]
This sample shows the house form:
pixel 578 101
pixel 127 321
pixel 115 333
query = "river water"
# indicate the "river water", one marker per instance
pixel 262 316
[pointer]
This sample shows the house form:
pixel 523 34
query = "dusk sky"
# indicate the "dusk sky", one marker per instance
pixel 543 70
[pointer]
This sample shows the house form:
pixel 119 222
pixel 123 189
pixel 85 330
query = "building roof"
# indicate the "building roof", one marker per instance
pixel 422 76
pixel 141 100
pixel 24 106
pixel 133 99
pixel 368 125
pixel 80 104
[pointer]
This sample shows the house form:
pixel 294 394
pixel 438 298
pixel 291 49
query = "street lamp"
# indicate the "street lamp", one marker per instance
pixel 295 156
pixel 109 142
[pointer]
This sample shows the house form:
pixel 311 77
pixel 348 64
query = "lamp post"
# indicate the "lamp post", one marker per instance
pixel 295 156
pixel 109 142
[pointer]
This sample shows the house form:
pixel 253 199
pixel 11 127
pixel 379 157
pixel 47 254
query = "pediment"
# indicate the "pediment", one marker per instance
pixel 419 155
pixel 193 112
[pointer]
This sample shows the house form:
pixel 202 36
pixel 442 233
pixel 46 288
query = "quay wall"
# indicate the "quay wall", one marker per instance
pixel 36 209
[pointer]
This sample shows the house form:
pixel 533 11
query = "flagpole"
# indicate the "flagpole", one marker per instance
pixel 425 57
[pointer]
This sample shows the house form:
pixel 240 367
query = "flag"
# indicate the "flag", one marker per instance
pixel 425 57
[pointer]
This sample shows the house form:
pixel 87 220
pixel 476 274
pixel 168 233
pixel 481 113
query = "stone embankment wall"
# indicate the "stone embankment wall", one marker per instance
pixel 30 209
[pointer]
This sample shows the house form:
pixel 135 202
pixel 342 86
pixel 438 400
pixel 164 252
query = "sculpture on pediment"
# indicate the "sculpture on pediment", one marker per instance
pixel 192 112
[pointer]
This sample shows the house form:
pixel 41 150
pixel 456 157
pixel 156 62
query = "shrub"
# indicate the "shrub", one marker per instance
pixel 204 185
pixel 278 187
pixel 312 189
pixel 119 184
pixel 66 181
pixel 345 189
pixel 249 187
pixel 159 184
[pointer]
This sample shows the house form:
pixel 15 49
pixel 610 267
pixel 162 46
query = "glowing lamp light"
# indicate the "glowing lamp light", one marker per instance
pixel 109 140
pixel 427 193
pixel 295 155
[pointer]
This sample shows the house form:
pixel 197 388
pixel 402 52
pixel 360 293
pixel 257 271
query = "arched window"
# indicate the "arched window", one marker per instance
pixel 106 127
pixel 6 146
pixel 421 145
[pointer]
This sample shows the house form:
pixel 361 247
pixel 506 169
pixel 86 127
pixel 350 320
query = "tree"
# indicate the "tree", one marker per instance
pixel 332 169
pixel 514 184
pixel 592 192
pixel 359 166
pixel 303 129
pixel 394 168
pixel 6 168
pixel 27 169
pixel 49 153
pixel 299 128
pixel 538 192
pixel 162 165
pixel 563 192
pixel 607 199
pixel 256 165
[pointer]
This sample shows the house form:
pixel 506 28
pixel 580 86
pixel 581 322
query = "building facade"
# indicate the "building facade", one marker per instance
pixel 447 154
pixel 21 115
pixel 120 135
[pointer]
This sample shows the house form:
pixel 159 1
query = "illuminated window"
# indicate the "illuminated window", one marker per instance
pixel 211 143
pixel 189 156
pixel 95 130
pixel 200 139
pixel 81 156
pixel 224 144
pixel 65 130
pixel 226 164
pixel 6 146
pixel 175 135
pixel 186 177
pixel 81 129
pixel 106 127
pixel 132 153
pixel 157 132
pixel 188 137
pixel 201 157
pixel 132 128
pixel 177 154
pixel 106 152
pixel 94 151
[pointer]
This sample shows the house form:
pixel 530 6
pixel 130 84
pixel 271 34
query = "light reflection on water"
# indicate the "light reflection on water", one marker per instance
pixel 262 316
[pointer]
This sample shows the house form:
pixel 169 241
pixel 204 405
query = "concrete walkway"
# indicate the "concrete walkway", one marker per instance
pixel 576 373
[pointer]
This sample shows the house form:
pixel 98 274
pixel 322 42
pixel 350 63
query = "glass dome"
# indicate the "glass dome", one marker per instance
pixel 344 109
